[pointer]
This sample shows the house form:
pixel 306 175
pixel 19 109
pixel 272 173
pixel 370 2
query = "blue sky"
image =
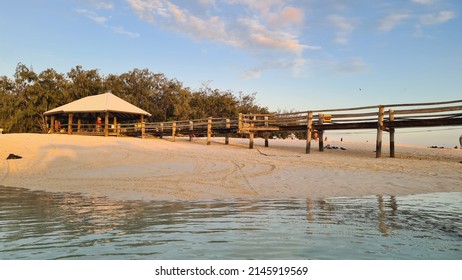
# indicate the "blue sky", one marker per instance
pixel 306 54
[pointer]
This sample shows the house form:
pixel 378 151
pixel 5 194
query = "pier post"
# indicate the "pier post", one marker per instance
pixel 173 131
pixel 378 144
pixel 228 126
pixel 321 133
pixel 266 133
pixel 239 123
pixel 309 131
pixel 392 133
pixel 191 128
pixel 209 131
pixel 251 132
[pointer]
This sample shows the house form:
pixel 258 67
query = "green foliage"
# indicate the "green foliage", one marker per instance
pixel 25 98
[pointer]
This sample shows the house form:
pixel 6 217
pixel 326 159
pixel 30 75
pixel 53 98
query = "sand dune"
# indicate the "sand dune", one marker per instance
pixel 158 169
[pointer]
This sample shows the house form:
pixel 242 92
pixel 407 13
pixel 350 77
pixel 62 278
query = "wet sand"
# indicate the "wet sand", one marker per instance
pixel 159 169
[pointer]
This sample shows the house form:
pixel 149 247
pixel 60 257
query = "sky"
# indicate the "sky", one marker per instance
pixel 295 55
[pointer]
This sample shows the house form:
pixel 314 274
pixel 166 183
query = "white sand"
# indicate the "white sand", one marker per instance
pixel 132 168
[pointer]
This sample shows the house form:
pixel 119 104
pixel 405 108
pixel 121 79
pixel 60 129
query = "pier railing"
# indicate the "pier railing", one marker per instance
pixel 381 117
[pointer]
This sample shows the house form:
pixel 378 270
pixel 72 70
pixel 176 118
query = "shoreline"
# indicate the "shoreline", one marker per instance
pixel 157 169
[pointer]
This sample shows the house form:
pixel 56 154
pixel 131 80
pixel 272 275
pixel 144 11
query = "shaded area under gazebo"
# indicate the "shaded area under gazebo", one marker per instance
pixel 94 115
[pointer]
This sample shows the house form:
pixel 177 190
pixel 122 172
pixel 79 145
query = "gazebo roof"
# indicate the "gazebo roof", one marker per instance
pixel 106 102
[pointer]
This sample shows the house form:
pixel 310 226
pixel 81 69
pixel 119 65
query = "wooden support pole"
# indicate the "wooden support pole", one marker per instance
pixel 143 127
pixel 321 134
pixel 378 145
pixel 239 122
pixel 228 126
pixel 392 133
pixel 309 131
pixel 251 138
pixel 266 133
pixel 57 126
pixel 161 130
pixel 251 133
pixel 114 120
pixel 69 125
pixel 106 124
pixel 191 128
pixel 79 124
pixel 173 131
pixel 209 131
pixel 52 124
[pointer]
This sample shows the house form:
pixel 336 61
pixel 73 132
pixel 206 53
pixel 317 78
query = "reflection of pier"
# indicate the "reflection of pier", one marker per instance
pixel 383 217
pixel 383 214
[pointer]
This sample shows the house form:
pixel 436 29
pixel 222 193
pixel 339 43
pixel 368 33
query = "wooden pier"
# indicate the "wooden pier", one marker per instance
pixel 382 118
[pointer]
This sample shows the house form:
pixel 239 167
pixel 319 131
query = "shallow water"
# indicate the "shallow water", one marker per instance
pixel 43 225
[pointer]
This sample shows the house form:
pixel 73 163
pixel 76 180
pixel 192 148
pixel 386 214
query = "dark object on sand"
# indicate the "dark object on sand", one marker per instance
pixel 329 147
pixel 13 156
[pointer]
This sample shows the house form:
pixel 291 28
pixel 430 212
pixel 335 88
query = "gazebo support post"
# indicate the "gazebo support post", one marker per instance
pixel 52 124
pixel 106 124
pixel 69 125
pixel 143 128
pixel 79 124
pixel 115 125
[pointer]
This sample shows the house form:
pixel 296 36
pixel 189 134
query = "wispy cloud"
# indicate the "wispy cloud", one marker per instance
pixel 121 30
pixel 438 18
pixel 103 21
pixel 344 27
pixel 296 65
pixel 425 2
pixel 349 66
pixel 93 16
pixel 104 5
pixel 100 4
pixel 429 12
pixel 431 19
pixel 393 20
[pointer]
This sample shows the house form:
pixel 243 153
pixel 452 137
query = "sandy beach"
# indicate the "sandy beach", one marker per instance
pixel 159 169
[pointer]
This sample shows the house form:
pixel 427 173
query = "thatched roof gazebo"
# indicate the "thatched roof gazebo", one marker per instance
pixel 89 112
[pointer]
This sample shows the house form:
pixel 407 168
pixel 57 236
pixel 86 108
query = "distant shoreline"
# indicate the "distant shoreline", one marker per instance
pixel 158 169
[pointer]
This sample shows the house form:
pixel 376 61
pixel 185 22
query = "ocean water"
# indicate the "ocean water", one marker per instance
pixel 42 225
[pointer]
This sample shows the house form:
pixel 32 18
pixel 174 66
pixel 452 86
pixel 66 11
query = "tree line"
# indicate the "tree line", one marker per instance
pixel 25 97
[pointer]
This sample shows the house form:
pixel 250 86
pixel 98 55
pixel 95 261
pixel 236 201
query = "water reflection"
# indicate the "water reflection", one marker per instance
pixel 41 225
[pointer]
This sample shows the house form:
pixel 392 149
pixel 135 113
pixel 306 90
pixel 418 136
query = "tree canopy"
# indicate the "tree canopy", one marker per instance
pixel 25 97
